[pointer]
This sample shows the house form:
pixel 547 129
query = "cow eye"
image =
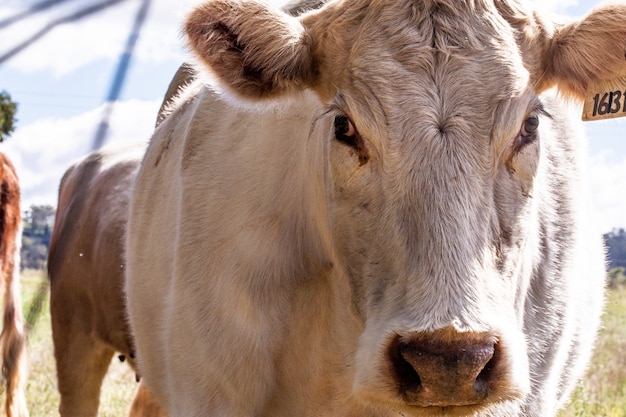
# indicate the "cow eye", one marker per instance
pixel 347 134
pixel 344 131
pixel 528 132
pixel 530 125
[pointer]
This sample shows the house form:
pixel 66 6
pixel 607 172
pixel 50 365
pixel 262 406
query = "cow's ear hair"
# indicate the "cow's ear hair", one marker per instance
pixel 257 52
pixel 588 52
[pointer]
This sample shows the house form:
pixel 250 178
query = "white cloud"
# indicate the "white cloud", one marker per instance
pixel 58 50
pixel 608 191
pixel 42 151
pixel 69 47
pixel 554 6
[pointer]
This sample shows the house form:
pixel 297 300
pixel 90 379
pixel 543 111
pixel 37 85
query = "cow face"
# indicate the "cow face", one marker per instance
pixel 437 138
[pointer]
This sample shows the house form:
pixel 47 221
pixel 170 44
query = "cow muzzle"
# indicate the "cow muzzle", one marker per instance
pixel 447 368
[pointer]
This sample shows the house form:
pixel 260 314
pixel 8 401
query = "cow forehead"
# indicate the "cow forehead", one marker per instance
pixel 410 31
pixel 426 61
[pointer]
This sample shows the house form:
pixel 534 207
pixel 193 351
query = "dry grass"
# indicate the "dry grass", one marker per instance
pixel 601 394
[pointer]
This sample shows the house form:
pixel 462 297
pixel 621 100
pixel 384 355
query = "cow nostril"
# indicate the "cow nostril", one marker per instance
pixel 481 384
pixel 404 373
pixel 434 371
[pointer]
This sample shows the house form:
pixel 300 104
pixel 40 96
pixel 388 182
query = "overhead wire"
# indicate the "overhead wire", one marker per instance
pixel 34 9
pixel 87 11
pixel 120 75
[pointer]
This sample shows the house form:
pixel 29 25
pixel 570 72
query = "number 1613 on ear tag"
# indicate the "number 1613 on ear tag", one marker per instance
pixel 606 101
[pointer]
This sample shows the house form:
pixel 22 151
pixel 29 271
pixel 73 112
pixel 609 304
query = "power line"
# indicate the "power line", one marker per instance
pixel 36 8
pixel 120 75
pixel 66 19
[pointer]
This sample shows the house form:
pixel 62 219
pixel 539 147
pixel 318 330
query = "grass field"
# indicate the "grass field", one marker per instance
pixel 41 392
pixel 601 394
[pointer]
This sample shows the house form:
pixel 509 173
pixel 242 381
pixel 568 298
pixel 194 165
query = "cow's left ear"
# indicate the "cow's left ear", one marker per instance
pixel 254 50
pixel 589 52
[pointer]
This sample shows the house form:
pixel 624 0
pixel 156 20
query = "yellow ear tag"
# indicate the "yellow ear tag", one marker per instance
pixel 605 101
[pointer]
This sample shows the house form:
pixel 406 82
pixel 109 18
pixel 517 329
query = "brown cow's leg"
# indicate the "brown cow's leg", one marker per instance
pixel 82 363
pixel 14 358
pixel 144 404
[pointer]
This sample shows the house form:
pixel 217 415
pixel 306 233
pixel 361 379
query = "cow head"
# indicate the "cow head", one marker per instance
pixel 436 135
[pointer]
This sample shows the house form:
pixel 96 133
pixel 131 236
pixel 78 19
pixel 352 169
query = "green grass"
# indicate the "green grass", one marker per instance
pixel 41 391
pixel 601 394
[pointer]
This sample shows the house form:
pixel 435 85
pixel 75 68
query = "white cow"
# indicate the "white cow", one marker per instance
pixel 374 209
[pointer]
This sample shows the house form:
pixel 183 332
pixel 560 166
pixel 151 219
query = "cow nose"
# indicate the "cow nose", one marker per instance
pixel 432 370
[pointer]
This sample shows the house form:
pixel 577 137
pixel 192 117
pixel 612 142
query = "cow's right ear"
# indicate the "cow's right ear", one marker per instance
pixel 257 52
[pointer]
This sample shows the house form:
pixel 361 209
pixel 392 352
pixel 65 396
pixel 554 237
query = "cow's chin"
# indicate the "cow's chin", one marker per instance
pixel 507 408
pixel 510 408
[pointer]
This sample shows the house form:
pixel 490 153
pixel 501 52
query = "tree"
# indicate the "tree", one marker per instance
pixel 39 219
pixel 38 222
pixel 7 115
pixel 615 242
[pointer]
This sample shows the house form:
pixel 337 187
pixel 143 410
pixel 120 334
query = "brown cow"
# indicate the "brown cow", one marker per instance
pixel 374 209
pixel 85 268
pixel 13 337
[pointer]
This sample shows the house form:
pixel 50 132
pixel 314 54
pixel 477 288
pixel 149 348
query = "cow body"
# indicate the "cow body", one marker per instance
pixel 375 209
pixel 13 337
pixel 86 270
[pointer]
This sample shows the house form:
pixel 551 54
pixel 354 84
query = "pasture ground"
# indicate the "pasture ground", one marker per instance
pixel 42 395
pixel 601 394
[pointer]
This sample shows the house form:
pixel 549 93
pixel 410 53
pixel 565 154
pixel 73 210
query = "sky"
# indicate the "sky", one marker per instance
pixel 61 83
